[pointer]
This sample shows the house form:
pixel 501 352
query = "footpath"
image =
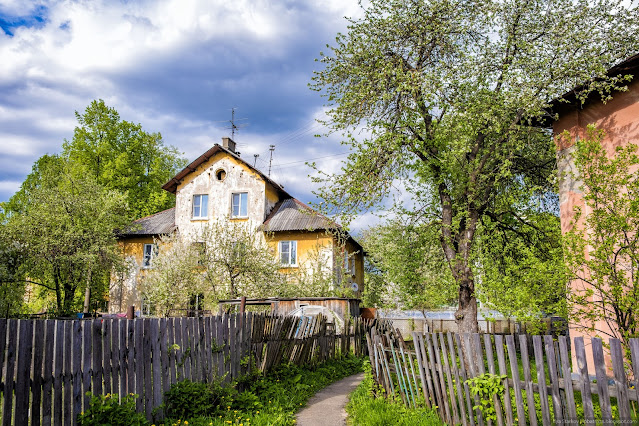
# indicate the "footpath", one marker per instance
pixel 327 407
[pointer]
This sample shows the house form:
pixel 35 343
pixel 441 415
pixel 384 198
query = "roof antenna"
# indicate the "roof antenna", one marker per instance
pixel 233 126
pixel 255 159
pixel 272 148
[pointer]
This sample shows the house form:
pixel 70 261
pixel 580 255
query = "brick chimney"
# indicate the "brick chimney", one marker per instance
pixel 228 144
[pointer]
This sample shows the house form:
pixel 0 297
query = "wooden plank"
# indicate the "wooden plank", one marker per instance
pixel 116 367
pixel 179 349
pixel 501 361
pixel 458 379
pixel 198 349
pixel 130 357
pixel 23 373
pixel 602 379
pixel 106 355
pixel 473 366
pixel 514 369
pixel 138 337
pixel 172 353
pixel 164 348
pixel 148 372
pixel 47 371
pixel 435 375
pixel 564 359
pixel 156 354
pixel 634 356
pixel 541 380
pixel 616 355
pixel 582 365
pixel 186 353
pixel 122 358
pixel 57 373
pixel 417 342
pixel 464 376
pixel 12 335
pixel 67 375
pixel 38 357
pixel 3 346
pixel 551 360
pixel 208 356
pixel 488 345
pixel 530 396
pixel 451 390
pixel 87 367
pixel 232 349
pixel 77 368
pixel 97 357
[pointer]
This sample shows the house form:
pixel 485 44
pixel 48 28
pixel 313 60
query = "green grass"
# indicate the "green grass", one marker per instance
pixel 368 407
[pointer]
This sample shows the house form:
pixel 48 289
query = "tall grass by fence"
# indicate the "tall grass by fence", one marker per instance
pixel 537 379
pixel 47 366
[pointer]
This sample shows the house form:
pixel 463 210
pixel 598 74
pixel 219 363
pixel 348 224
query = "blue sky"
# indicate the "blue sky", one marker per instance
pixel 175 66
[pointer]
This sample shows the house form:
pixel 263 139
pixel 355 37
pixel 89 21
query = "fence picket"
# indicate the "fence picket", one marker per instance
pixel 57 373
pixel 25 350
pixel 541 380
pixel 567 374
pixel 501 362
pixel 67 374
pixel 77 368
pixel 602 379
pixel 488 345
pixel 616 353
pixel 87 369
pixel 147 367
pixel 38 357
pixel 464 376
pixel 138 356
pixel 514 369
pixel 7 410
pixel 106 355
pixel 554 379
pixel 582 365
pixel 530 396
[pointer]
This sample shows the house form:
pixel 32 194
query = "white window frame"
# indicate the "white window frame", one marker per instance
pixel 239 205
pixel 147 258
pixel 292 247
pixel 200 206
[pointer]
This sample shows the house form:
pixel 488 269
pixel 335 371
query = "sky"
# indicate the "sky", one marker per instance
pixel 177 67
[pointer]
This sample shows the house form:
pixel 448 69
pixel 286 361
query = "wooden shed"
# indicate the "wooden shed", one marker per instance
pixel 341 306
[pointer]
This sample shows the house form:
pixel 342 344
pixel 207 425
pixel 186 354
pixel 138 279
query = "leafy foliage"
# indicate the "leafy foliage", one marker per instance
pixel 486 386
pixel 409 261
pixel 123 157
pixel 442 95
pixel 107 410
pixel 64 223
pixel 602 247
pixel 187 399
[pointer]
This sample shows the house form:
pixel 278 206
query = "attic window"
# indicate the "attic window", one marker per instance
pixel 220 174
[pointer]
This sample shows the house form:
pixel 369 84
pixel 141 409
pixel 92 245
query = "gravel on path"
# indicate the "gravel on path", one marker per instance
pixel 327 407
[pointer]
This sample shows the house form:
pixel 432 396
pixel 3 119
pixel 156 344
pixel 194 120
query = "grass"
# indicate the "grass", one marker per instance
pixel 368 407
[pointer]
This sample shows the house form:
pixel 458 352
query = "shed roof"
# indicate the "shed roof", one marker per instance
pixel 155 224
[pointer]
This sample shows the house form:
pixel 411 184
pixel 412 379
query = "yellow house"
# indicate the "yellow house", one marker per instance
pixel 219 185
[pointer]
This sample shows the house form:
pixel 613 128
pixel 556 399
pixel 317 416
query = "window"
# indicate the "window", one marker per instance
pixel 200 206
pixel 288 253
pixel 150 252
pixel 220 174
pixel 240 205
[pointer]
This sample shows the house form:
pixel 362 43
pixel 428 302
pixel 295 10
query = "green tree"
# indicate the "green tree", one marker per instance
pixel 64 223
pixel 409 260
pixel 125 158
pixel 443 92
pixel 226 259
pixel 602 247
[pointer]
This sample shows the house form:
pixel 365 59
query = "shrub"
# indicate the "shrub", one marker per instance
pixel 187 399
pixel 107 410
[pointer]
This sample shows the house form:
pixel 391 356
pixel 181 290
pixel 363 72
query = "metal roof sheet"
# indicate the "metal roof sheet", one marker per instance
pixel 155 224
pixel 293 215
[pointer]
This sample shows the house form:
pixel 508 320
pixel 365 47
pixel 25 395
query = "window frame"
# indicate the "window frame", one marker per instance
pixel 200 205
pixel 239 205
pixel 147 259
pixel 291 244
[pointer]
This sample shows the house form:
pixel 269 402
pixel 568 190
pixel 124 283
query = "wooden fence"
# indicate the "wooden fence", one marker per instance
pixel 434 373
pixel 47 366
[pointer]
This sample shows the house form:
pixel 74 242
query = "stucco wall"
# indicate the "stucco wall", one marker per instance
pixel 239 178
pixel 123 291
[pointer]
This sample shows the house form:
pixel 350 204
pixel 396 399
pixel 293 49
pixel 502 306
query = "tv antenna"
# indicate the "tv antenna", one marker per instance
pixel 272 148
pixel 255 159
pixel 235 126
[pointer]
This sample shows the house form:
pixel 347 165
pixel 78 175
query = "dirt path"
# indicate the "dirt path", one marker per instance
pixel 326 408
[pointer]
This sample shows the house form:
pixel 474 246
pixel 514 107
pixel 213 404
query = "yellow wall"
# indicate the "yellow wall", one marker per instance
pixel 123 290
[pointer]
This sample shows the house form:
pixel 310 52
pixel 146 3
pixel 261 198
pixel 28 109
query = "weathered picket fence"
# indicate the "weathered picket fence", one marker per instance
pixel 47 366
pixel 436 371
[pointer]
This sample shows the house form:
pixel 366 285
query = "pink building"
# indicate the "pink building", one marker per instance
pixel 619 118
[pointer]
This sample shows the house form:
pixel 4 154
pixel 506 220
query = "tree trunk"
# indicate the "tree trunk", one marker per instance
pixel 466 314
pixel 87 292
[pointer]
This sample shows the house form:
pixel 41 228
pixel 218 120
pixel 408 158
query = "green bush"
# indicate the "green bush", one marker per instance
pixel 188 399
pixel 107 410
